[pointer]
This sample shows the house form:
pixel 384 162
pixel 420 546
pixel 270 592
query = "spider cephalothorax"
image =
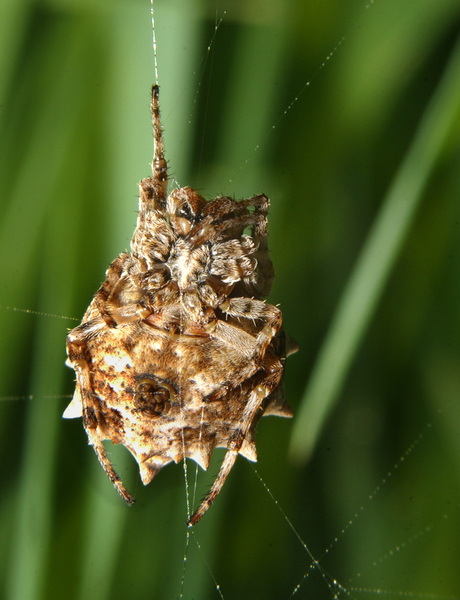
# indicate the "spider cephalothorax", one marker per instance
pixel 178 353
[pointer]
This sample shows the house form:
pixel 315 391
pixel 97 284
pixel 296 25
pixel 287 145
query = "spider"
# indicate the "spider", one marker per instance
pixel 178 353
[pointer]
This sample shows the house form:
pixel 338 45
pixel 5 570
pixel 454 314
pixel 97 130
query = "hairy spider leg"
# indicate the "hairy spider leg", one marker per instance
pixel 234 445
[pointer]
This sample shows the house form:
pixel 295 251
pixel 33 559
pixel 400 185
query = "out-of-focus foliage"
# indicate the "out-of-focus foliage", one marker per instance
pixel 239 119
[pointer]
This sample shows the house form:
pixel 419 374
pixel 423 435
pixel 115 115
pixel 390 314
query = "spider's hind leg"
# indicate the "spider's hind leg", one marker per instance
pixel 76 351
pixel 256 397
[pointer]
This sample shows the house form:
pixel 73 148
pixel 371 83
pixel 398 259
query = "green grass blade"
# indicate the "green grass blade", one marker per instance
pixel 374 265
pixel 34 507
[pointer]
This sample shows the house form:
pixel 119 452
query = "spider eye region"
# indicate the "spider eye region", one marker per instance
pixel 183 208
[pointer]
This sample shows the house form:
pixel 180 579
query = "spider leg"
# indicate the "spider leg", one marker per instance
pixel 76 351
pixel 266 272
pixel 159 165
pixel 101 298
pixel 256 398
pixel 249 308
pixel 122 297
pixel 153 189
pixel 222 207
pixel 255 345
pixel 209 231
pixel 225 219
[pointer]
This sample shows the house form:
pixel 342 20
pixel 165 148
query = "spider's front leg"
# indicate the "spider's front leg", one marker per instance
pixel 101 297
pixel 266 272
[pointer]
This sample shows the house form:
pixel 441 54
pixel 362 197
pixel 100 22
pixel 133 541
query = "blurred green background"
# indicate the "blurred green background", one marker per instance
pixel 367 277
